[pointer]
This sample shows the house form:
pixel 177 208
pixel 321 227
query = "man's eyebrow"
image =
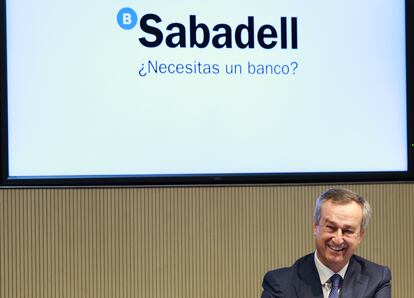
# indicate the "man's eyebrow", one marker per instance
pixel 330 222
pixel 345 227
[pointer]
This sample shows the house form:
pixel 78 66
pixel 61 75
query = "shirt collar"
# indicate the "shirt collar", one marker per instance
pixel 325 273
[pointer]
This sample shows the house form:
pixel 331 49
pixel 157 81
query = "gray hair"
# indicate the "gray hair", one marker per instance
pixel 341 195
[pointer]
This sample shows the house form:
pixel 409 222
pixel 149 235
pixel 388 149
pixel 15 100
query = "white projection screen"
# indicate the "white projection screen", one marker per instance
pixel 195 92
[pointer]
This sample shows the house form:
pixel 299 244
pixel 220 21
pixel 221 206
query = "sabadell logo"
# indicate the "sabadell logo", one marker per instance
pixel 196 34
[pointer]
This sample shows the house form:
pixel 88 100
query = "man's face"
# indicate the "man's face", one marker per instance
pixel 338 233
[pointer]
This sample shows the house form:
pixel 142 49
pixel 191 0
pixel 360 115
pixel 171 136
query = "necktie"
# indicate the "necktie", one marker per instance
pixel 336 283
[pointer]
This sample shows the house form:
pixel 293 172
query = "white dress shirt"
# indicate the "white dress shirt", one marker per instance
pixel 325 274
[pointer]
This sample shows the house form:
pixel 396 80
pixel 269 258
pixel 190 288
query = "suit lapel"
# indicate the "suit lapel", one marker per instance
pixel 355 283
pixel 308 285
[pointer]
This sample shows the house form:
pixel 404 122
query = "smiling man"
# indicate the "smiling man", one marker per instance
pixel 332 271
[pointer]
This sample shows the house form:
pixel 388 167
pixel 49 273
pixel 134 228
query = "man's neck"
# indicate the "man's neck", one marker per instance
pixel 325 272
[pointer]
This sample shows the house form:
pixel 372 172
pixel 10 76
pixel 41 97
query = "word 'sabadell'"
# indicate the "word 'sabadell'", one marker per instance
pixel 195 34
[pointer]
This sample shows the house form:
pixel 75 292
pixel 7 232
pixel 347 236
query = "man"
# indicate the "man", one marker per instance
pixel 339 225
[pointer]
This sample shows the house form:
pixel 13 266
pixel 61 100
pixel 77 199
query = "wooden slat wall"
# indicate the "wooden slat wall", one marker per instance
pixel 179 242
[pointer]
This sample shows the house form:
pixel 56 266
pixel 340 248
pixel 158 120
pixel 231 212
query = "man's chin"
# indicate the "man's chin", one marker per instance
pixel 336 261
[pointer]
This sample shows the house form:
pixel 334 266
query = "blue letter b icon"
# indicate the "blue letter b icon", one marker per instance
pixel 127 18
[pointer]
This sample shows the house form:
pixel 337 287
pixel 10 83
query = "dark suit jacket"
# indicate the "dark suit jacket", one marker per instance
pixel 363 279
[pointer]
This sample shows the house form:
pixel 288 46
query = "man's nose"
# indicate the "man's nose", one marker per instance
pixel 338 237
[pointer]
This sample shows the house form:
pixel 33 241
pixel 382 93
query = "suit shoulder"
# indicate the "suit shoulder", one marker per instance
pixel 281 282
pixel 371 267
pixel 279 274
pixel 366 264
pixel 277 282
pixel 286 273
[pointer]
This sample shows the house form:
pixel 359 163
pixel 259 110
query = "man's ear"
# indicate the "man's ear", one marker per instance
pixel 361 235
pixel 315 228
